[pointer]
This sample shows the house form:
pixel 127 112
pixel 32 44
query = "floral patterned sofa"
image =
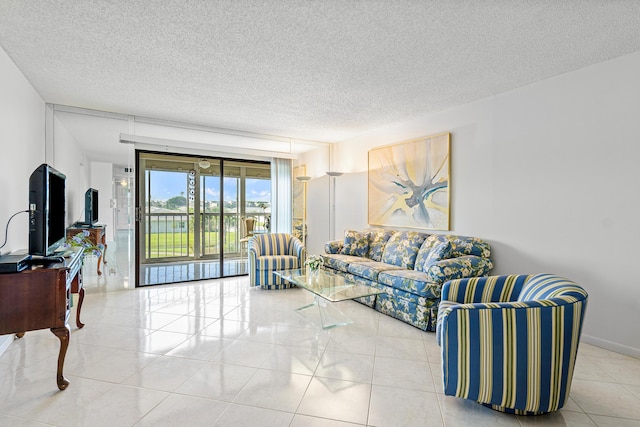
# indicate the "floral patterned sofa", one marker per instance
pixel 409 266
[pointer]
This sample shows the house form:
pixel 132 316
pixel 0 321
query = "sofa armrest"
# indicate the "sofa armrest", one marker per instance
pixel 484 289
pixel 333 246
pixel 458 268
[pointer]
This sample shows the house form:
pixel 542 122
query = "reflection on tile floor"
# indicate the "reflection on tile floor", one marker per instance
pixel 219 353
pixel 174 272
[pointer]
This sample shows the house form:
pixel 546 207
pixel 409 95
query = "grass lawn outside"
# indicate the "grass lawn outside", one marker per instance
pixel 164 245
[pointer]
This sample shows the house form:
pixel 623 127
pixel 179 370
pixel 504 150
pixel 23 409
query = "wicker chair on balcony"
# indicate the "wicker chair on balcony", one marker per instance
pixel 246 228
pixel 270 252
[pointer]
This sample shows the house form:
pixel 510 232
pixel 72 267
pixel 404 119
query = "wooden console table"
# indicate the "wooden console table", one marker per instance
pixel 97 234
pixel 39 298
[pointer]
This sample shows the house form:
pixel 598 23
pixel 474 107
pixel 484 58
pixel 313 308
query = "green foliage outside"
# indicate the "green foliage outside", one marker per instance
pixel 176 202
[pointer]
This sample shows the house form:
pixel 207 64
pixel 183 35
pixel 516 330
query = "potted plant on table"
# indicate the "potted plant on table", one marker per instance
pixel 82 240
pixel 314 262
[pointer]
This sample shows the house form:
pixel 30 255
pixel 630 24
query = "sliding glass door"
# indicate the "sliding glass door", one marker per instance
pixel 191 216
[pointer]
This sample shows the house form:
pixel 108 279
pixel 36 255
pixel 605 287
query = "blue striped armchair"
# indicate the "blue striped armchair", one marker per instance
pixel 510 342
pixel 270 252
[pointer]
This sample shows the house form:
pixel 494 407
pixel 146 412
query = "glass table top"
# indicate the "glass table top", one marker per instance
pixel 331 286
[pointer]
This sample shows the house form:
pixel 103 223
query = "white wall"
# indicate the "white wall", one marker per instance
pixel 82 174
pixel 69 160
pixel 22 136
pixel 549 175
pixel 317 164
pixel 22 141
pixel 317 215
pixel 102 180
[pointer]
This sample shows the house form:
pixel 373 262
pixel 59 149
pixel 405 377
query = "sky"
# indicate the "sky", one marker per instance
pixel 165 185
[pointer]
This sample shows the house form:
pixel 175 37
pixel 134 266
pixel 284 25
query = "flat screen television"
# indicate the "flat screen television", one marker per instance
pixel 47 228
pixel 91 206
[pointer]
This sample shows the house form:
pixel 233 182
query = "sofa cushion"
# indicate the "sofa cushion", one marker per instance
pixel 434 248
pixel 341 262
pixel 415 282
pixel 370 270
pixel 458 268
pixel 402 248
pixel 356 243
pixel 378 239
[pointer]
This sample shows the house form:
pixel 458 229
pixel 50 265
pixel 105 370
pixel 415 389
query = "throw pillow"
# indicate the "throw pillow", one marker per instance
pixel 402 248
pixel 435 248
pixel 356 243
pixel 377 240
pixel 440 251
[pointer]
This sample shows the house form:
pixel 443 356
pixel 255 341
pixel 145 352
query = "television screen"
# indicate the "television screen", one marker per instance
pixel 91 206
pixel 47 228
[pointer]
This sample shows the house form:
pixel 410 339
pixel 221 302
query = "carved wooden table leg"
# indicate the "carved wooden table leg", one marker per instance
pixel 99 261
pixel 78 288
pixel 63 336
pixel 79 324
pixel 103 254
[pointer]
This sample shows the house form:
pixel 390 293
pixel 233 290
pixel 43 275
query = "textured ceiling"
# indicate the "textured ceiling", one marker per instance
pixel 320 70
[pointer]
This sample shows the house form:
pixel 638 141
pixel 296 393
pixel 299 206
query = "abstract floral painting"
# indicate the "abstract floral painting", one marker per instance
pixel 409 184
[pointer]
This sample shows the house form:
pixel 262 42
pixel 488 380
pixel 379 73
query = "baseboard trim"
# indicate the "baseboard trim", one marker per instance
pixel 613 346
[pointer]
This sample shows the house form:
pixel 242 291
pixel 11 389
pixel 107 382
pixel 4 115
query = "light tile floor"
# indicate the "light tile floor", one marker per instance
pixel 219 353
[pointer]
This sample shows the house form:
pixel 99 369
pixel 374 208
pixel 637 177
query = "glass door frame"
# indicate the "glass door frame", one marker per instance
pixel 197 215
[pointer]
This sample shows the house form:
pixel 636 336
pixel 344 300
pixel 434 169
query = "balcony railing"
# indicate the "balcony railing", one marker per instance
pixel 172 235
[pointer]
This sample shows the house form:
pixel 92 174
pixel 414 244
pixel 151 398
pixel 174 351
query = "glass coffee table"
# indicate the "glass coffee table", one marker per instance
pixel 327 288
